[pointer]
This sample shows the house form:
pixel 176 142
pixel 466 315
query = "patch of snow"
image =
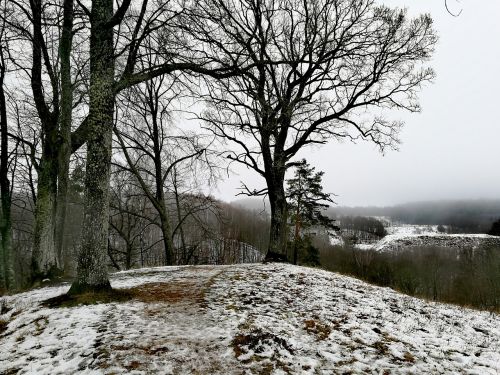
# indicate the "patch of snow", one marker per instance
pixel 336 240
pixel 363 246
pixel 410 229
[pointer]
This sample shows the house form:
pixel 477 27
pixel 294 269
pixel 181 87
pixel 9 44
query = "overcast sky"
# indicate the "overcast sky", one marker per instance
pixel 449 151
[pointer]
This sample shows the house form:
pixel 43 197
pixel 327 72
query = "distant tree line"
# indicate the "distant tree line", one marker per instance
pixel 473 216
pixel 362 228
pixel 208 231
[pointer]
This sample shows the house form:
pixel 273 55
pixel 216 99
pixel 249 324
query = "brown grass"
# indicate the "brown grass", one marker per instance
pixel 133 365
pixel 40 324
pixel 381 347
pixel 3 325
pixel 408 357
pixel 168 292
pixel 4 309
pixel 11 371
pixel 147 350
pixel 322 331
pixel 242 343
pixel 171 293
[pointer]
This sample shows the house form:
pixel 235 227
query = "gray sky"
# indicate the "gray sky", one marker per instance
pixel 449 151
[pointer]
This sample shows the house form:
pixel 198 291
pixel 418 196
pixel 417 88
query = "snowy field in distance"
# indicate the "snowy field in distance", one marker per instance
pixel 400 236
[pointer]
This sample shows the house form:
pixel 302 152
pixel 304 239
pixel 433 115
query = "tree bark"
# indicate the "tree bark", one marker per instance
pixel 159 183
pixel 279 213
pixel 44 258
pixel 179 219
pixel 6 263
pixel 65 119
pixel 92 270
pixel 297 232
pixel 167 238
pixel 45 263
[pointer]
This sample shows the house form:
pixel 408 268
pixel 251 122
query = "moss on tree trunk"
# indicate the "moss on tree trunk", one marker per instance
pixel 44 258
pixel 92 270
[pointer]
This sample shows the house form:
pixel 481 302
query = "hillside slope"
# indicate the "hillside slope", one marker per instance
pixel 396 242
pixel 401 237
pixel 246 319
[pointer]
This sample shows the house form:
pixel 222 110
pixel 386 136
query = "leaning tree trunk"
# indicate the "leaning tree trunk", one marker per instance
pixel 92 270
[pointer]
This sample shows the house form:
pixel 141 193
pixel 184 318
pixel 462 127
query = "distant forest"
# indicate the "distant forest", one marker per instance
pixel 462 216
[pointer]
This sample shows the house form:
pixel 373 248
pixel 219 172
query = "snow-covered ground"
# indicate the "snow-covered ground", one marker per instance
pixel 406 235
pixel 247 319
pixel 336 240
pixel 410 229
pixel 394 242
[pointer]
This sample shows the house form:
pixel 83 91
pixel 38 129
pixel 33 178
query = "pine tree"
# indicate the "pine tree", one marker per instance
pixel 306 203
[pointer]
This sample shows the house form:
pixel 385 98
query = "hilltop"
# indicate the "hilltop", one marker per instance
pixel 254 318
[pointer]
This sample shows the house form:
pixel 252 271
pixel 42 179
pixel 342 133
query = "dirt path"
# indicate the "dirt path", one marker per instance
pixel 170 329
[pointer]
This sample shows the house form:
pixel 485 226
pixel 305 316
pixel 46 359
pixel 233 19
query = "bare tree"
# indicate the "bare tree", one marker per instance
pixel 148 27
pixel 195 213
pixel 6 255
pixel 45 35
pixel 155 151
pixel 130 218
pixel 317 70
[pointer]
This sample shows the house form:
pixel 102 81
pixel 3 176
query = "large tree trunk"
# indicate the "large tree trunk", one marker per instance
pixel 64 128
pixel 92 270
pixel 6 263
pixel 297 233
pixel 44 258
pixel 167 239
pixel 277 200
pixel 7 280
